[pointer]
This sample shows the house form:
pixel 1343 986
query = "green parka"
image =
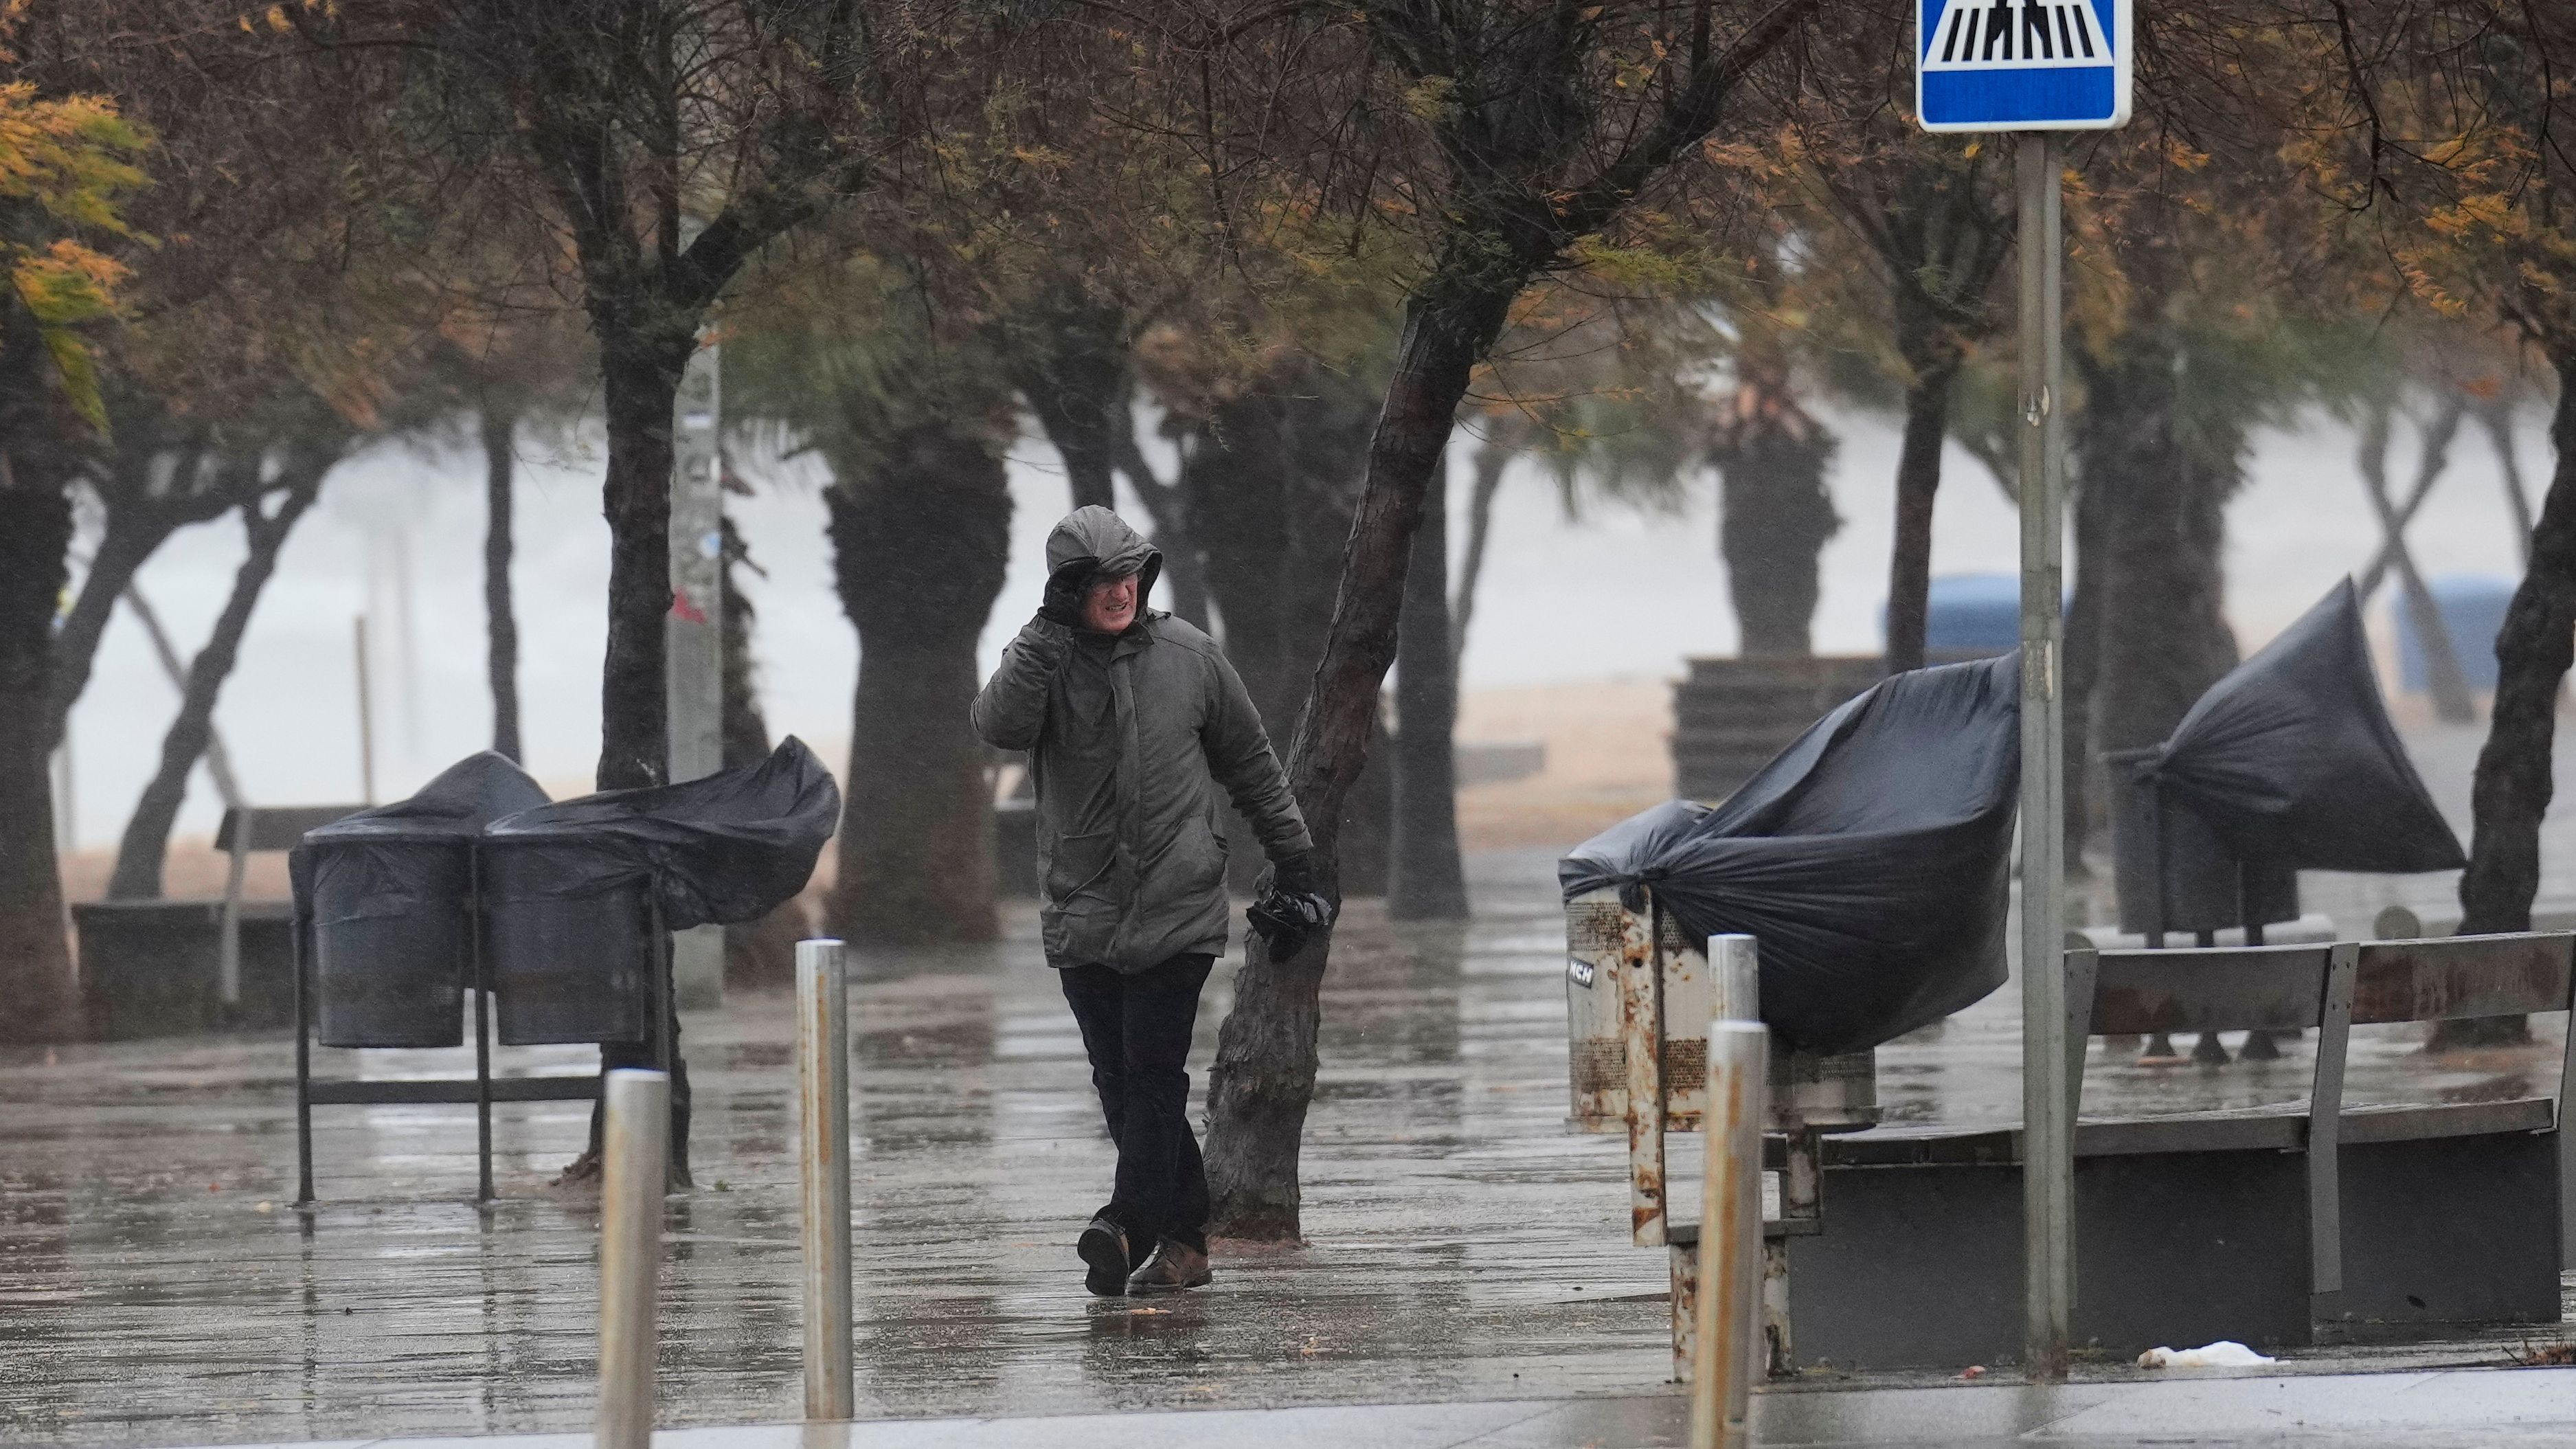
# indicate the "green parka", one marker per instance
pixel 1128 735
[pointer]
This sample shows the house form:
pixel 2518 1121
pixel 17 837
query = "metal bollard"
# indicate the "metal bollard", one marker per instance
pixel 1735 978
pixel 1730 1235
pixel 630 1252
pixel 1735 983
pixel 823 1099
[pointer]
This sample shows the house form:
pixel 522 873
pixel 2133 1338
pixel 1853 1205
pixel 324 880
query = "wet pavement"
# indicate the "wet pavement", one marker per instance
pixel 2424 1411
pixel 1464 1247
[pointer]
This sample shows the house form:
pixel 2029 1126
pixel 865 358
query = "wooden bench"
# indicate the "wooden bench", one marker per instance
pixel 2272 1225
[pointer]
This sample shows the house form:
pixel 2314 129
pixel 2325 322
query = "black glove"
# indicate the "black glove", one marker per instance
pixel 1062 603
pixel 1292 909
pixel 1295 874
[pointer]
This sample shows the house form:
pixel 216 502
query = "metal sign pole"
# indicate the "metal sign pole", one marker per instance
pixel 2048 1198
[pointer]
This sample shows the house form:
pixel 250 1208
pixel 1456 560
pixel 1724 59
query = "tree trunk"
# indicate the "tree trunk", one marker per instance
pixel 35 954
pixel 2514 782
pixel 501 620
pixel 1918 480
pixel 641 383
pixel 920 542
pixel 146 845
pixel 1426 881
pixel 2163 637
pixel 1775 513
pixel 1270 483
pixel 132 534
pixel 1175 532
pixel 1076 380
pixel 1493 456
pixel 2452 700
pixel 2496 415
pixel 1263 1077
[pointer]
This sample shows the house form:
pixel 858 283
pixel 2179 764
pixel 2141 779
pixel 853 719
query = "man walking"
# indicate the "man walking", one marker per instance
pixel 1132 718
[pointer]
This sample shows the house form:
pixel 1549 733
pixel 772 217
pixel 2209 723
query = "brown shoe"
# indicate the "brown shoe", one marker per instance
pixel 1173 1267
pixel 582 1171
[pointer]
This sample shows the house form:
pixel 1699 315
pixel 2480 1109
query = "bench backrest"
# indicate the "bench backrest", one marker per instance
pixel 275 827
pixel 2331 989
pixel 2451 978
pixel 2242 988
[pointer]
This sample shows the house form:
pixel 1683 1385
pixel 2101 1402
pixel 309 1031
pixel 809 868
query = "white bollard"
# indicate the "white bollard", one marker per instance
pixel 823 1097
pixel 1730 1235
pixel 638 1150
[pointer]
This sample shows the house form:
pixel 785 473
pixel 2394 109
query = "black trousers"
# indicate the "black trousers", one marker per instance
pixel 1136 1030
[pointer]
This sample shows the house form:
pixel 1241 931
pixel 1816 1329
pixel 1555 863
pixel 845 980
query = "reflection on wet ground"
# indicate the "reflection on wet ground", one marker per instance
pixel 155 1287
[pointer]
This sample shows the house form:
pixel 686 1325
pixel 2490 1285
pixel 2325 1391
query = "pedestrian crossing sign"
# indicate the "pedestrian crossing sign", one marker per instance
pixel 2022 65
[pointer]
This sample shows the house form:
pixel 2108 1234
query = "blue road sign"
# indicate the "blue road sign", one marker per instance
pixel 2022 65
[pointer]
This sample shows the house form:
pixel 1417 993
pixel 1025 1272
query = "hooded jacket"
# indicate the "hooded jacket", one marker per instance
pixel 1129 736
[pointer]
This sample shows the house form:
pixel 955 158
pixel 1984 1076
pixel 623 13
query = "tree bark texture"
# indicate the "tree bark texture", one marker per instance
pixel 1270 481
pixel 1918 482
pixel 500 619
pixel 35 950
pixel 2513 784
pixel 1426 880
pixel 140 855
pixel 641 386
pixel 2164 639
pixel 1263 1078
pixel 920 542
pixel 1774 512
pixel 1493 457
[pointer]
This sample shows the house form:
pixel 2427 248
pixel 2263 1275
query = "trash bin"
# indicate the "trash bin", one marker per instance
pixel 1871 860
pixel 569 940
pixel 2289 762
pixel 2472 607
pixel 384 898
pixel 577 896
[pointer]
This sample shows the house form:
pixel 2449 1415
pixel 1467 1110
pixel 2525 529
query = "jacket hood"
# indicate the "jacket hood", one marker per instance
pixel 1097 534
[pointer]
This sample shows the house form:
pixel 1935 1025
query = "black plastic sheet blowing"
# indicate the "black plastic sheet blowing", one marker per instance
pixel 2291 758
pixel 383 894
pixel 730 847
pixel 1871 860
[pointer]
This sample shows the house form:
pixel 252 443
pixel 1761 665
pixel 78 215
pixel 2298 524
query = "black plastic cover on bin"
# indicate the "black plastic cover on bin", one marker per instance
pixel 568 939
pixel 568 887
pixel 383 896
pixel 2291 760
pixel 1871 859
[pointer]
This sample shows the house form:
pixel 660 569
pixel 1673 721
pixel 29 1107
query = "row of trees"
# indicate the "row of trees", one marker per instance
pixel 1631 240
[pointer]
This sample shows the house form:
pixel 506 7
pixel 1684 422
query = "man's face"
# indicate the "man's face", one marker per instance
pixel 1109 605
